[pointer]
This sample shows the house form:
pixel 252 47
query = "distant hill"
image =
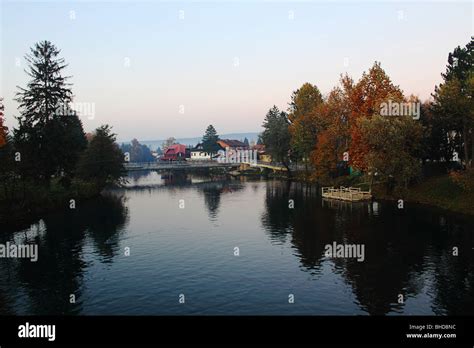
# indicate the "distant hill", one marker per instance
pixel 154 144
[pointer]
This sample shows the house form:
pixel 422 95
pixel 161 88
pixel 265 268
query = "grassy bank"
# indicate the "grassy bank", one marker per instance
pixel 26 202
pixel 439 191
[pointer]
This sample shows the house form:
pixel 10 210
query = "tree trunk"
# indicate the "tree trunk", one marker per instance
pixel 472 148
pixel 287 166
pixel 466 144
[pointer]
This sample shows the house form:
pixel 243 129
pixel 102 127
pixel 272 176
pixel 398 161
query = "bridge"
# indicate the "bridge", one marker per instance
pixel 269 165
pixel 165 165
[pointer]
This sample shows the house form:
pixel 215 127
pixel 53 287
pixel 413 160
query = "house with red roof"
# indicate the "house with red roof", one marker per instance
pixel 174 152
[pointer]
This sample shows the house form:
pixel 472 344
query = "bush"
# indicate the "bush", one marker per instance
pixel 463 179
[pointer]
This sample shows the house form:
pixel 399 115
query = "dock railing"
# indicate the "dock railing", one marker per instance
pixel 346 193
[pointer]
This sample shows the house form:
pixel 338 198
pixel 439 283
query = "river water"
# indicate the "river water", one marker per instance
pixel 188 244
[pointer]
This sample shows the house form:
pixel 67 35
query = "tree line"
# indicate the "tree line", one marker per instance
pixel 349 131
pixel 137 152
pixel 49 148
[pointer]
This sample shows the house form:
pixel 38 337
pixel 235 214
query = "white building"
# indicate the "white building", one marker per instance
pixel 198 154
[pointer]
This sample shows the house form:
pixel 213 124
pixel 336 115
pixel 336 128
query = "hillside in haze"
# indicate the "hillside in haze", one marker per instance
pixel 154 144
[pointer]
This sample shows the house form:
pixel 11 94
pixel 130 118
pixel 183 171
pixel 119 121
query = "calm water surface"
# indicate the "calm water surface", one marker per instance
pixel 190 251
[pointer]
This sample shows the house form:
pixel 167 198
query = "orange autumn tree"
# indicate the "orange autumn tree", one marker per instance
pixel 383 145
pixel 364 100
pixel 333 138
pixel 351 129
pixel 3 129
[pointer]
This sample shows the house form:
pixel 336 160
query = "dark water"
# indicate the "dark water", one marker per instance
pixel 190 251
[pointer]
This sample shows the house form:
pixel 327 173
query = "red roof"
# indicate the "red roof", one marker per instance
pixel 174 152
pixel 175 149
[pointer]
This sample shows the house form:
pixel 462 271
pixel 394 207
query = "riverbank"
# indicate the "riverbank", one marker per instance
pixel 25 203
pixel 439 191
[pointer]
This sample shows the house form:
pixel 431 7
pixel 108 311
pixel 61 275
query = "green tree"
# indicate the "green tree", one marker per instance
pixel 460 63
pixel 246 142
pixel 451 118
pixel 209 140
pixel 3 128
pixel 303 127
pixel 138 152
pixel 7 173
pixel 439 143
pixel 50 135
pixel 276 136
pixel 393 145
pixel 7 170
pixel 102 161
pixel 453 104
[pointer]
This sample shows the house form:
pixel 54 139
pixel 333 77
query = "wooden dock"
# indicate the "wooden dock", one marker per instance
pixel 351 194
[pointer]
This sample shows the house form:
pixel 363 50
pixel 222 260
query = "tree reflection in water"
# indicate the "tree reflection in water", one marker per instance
pixel 58 272
pixel 407 252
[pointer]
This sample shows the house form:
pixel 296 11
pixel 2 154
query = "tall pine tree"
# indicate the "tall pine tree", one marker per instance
pixel 3 129
pixel 209 140
pixel 453 104
pixel 276 136
pixel 49 139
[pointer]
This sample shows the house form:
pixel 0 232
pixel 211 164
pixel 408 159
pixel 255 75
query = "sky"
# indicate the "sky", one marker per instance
pixel 155 69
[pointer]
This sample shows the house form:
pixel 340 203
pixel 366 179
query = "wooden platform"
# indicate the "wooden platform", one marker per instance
pixel 350 194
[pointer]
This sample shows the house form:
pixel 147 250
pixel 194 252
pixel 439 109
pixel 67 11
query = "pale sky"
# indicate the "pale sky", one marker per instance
pixel 141 64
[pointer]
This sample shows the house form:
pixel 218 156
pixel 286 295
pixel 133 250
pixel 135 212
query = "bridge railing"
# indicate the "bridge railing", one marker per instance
pixel 173 164
pixel 202 163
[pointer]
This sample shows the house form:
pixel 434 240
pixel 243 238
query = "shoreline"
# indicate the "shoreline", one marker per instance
pixel 458 202
pixel 437 192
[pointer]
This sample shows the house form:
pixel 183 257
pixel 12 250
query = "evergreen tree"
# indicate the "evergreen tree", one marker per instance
pixel 276 135
pixel 50 135
pixel 209 140
pixel 102 161
pixel 3 129
pixel 7 170
pixel 7 173
pixel 246 142
pixel 453 104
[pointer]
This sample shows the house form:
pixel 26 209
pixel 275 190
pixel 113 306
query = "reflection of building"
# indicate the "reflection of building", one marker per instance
pixel 174 152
